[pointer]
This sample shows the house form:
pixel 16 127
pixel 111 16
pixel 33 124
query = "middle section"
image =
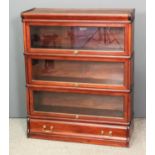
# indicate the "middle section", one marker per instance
pixel 103 73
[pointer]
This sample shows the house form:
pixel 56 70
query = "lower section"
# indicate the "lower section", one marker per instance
pixel 91 106
pixel 89 140
pixel 114 135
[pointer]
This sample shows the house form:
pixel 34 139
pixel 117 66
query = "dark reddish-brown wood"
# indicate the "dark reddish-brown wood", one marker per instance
pixel 79 74
pixel 87 118
pixel 122 15
pixel 124 51
pixel 118 69
pixel 79 132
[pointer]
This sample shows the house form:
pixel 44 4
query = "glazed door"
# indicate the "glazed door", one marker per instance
pixel 107 74
pixel 86 38
pixel 79 105
pixel 68 38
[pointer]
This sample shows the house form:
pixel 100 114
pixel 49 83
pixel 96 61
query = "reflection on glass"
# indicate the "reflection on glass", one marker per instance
pixel 88 38
pixel 74 71
pixel 72 103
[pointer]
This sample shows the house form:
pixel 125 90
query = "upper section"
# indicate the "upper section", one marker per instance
pixel 124 15
pixel 79 32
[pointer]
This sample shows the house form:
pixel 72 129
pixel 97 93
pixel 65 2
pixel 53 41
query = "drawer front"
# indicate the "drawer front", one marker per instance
pixel 77 129
pixel 79 105
pixel 102 74
pixel 78 38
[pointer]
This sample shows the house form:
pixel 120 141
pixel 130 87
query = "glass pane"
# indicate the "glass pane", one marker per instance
pixel 88 38
pixel 73 103
pixel 75 71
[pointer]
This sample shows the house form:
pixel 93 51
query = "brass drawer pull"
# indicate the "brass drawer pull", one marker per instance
pixel 47 130
pixel 76 52
pixel 44 126
pixel 110 133
pixel 76 84
pixel 76 116
pixel 102 132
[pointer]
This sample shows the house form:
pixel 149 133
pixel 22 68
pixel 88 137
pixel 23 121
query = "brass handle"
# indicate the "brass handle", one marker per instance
pixel 44 126
pixel 110 133
pixel 102 132
pixel 76 116
pixel 47 130
pixel 76 52
pixel 76 84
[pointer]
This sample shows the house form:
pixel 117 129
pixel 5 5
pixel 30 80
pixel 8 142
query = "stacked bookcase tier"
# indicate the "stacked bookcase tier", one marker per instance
pixel 79 74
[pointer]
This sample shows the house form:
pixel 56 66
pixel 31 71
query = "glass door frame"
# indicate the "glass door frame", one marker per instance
pixel 73 117
pixel 127 42
pixel 126 74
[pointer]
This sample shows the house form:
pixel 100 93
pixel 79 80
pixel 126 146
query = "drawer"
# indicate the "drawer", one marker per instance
pixel 77 129
pixel 75 38
pixel 79 72
pixel 79 105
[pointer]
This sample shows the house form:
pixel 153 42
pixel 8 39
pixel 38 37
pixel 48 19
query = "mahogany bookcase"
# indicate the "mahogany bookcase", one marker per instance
pixel 79 74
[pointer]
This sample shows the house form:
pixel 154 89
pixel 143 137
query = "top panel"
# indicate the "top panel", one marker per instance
pixel 80 14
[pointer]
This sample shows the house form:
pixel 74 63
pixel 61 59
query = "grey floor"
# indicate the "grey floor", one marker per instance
pixel 21 145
